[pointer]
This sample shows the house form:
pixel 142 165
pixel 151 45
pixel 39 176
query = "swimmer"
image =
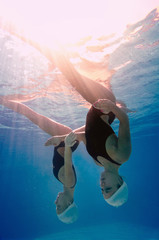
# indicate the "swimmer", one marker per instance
pixel 107 149
pixel 64 171
pixel 63 168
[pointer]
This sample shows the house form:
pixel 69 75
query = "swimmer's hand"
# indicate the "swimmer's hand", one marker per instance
pixel 104 105
pixel 70 139
pixel 55 141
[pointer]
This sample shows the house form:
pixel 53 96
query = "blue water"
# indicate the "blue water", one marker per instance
pixel 27 187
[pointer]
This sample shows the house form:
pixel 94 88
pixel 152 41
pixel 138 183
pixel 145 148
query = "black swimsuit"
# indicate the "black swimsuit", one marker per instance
pixel 97 132
pixel 58 160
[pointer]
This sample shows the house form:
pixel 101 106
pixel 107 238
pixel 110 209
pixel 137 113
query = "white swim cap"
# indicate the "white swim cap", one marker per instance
pixel 119 197
pixel 70 215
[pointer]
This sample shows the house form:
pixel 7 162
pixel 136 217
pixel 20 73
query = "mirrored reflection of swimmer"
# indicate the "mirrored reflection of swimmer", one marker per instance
pixel 63 168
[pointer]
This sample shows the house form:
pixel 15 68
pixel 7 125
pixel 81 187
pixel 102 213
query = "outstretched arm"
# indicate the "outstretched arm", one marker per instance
pixel 46 124
pixel 119 148
pixel 55 140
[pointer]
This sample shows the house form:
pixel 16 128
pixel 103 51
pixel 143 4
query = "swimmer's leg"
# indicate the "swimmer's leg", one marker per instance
pixel 46 124
pixel 90 90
